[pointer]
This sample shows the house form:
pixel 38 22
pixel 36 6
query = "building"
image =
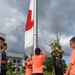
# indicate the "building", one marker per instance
pixel 16 60
pixel 3 35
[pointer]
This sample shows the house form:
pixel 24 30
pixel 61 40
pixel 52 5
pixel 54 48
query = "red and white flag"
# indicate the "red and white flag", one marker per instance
pixel 29 27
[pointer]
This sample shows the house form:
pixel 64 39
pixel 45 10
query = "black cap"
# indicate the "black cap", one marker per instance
pixel 1 38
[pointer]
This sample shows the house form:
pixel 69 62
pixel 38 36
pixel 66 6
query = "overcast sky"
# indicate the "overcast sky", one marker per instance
pixel 53 15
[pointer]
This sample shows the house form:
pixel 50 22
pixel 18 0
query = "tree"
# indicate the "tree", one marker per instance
pixel 23 69
pixel 10 68
pixel 48 63
pixel 55 44
pixel 64 66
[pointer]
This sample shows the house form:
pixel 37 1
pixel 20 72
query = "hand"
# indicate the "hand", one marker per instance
pixel 41 50
pixel 8 61
pixel 64 73
pixel 56 48
pixel 28 59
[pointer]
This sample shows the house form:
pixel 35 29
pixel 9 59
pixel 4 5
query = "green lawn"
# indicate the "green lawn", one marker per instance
pixel 45 73
pixel 16 74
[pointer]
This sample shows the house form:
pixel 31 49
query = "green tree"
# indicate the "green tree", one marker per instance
pixel 23 69
pixel 64 66
pixel 48 63
pixel 55 44
pixel 9 68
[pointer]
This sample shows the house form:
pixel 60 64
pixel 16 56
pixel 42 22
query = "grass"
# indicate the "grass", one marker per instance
pixel 16 74
pixel 45 73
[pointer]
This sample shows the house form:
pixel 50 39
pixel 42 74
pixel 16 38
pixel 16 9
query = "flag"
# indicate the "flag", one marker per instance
pixel 29 28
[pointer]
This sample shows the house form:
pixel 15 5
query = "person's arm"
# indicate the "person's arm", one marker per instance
pixel 60 52
pixel 52 52
pixel 68 69
pixel 8 61
pixel 3 62
pixel 43 53
pixel 26 60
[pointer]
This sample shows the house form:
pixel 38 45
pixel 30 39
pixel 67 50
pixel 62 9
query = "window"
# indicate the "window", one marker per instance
pixel 18 61
pixel 14 60
pixel 13 69
pixel 18 69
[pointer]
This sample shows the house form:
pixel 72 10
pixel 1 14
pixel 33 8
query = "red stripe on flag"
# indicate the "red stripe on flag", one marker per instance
pixel 29 23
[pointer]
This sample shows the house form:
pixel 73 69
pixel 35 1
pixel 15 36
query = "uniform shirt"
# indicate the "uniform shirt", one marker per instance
pixel 72 61
pixel 28 68
pixel 4 57
pixel 37 63
pixel 57 60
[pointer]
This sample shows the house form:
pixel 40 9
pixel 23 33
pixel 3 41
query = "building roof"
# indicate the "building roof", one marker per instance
pixel 3 35
pixel 17 55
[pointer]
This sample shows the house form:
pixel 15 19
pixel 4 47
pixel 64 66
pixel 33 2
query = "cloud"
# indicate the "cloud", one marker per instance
pixel 12 23
pixel 53 16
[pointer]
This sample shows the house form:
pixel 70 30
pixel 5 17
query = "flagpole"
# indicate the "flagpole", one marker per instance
pixel 35 38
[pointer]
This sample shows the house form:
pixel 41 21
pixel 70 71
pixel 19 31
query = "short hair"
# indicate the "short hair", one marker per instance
pixel 5 44
pixel 37 51
pixel 1 38
pixel 72 39
pixel 26 57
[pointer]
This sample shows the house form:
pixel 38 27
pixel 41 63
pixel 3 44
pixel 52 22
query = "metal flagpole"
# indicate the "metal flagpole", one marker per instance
pixel 35 16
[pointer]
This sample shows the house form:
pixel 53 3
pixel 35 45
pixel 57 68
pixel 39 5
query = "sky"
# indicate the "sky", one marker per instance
pixel 53 15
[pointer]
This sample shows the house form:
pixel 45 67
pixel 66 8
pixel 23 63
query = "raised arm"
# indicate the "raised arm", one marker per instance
pixel 60 52
pixel 27 60
pixel 52 52
pixel 43 53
